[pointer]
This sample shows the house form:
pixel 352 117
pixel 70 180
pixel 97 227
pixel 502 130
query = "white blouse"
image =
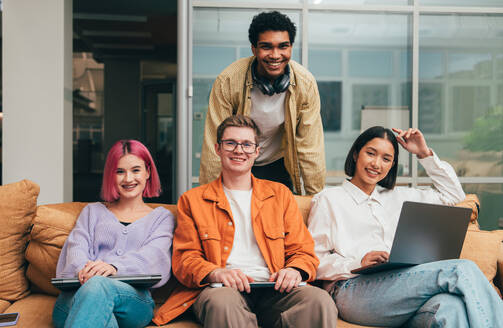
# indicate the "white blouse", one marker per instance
pixel 346 223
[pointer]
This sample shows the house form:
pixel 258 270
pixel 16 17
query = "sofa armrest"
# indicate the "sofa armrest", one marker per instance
pixel 471 201
pixel 498 280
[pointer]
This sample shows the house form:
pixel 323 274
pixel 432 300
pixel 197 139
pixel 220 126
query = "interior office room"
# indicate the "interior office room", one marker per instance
pixel 90 72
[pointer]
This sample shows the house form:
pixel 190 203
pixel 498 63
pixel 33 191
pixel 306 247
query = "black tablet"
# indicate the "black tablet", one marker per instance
pixel 261 284
pixel 140 281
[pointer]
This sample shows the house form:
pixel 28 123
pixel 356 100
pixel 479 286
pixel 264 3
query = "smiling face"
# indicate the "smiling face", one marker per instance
pixel 237 162
pixel 131 177
pixel 273 52
pixel 373 163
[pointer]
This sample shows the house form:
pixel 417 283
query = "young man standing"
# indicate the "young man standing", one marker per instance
pixel 282 97
pixel 239 229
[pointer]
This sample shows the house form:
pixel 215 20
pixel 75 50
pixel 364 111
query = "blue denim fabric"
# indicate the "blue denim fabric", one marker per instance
pixel 452 293
pixel 103 302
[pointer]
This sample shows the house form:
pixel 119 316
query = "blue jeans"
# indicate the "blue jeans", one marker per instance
pixel 103 302
pixel 452 293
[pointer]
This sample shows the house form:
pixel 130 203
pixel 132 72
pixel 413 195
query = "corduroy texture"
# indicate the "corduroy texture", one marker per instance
pixel 17 207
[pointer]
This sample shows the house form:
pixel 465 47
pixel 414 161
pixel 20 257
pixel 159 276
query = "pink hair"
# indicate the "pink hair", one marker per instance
pixel 109 191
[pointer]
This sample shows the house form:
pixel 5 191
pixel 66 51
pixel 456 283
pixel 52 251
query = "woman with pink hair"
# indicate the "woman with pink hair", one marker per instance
pixel 121 236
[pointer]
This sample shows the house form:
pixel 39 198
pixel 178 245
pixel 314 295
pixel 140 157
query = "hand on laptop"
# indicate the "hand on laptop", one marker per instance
pixel 286 279
pixel 375 257
pixel 233 278
pixel 96 268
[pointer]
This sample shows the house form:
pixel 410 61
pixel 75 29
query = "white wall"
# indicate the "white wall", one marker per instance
pixel 37 96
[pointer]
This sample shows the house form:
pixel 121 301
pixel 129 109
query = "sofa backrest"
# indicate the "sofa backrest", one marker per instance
pixel 53 223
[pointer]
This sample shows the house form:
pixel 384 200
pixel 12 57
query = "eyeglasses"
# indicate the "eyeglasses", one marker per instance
pixel 230 145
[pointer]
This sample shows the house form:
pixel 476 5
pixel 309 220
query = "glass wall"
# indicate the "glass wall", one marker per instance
pixel 124 73
pixel 371 70
pixel 460 80
pixel 360 61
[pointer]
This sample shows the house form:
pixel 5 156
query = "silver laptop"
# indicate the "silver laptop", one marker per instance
pixel 140 281
pixel 425 233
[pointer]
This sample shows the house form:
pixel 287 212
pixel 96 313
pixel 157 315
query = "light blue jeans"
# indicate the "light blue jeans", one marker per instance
pixel 452 293
pixel 103 302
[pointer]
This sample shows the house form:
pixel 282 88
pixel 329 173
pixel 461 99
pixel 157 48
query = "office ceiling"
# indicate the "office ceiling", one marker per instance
pixel 126 29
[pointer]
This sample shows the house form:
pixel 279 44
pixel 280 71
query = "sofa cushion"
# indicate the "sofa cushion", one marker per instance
pixel 4 305
pixel 483 248
pixel 34 311
pixel 17 207
pixel 51 226
pixel 304 204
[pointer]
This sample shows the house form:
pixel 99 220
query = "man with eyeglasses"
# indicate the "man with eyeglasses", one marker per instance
pixel 238 230
pixel 282 97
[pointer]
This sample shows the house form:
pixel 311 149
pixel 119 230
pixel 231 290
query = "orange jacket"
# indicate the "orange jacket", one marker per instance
pixel 203 238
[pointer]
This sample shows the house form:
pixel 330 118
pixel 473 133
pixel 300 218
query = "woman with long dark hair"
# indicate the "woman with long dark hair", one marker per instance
pixel 353 225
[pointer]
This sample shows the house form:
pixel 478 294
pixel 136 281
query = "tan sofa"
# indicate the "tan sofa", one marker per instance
pixel 31 238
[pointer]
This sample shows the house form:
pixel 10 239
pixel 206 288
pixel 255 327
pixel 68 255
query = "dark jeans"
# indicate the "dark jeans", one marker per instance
pixel 274 171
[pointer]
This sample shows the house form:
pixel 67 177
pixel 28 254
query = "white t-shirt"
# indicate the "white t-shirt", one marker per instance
pixel 268 112
pixel 245 253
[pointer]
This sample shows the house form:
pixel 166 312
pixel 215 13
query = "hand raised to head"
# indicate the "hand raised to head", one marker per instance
pixel 413 141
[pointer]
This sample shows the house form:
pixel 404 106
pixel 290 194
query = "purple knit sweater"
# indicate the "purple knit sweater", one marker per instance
pixel 142 247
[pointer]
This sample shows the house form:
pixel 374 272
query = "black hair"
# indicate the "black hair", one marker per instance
pixel 367 135
pixel 270 21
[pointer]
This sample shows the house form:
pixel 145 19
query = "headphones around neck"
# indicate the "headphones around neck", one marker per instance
pixel 278 86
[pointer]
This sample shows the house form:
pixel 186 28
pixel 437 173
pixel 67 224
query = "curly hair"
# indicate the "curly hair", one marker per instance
pixel 270 21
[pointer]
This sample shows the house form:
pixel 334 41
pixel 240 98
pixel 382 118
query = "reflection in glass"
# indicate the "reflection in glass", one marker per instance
pixel 372 64
pixel 330 105
pixel 460 102
pixel 469 102
pixel 255 1
pixel 469 65
pixel 462 3
pixel 368 58
pixel 360 2
pixel 491 206
pixel 202 88
pixel 431 64
pixel 368 95
pixel 88 109
pixel 430 102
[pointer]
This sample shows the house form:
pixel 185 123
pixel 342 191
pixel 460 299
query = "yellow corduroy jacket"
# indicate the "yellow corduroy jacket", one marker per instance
pixel 203 238
pixel 303 143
